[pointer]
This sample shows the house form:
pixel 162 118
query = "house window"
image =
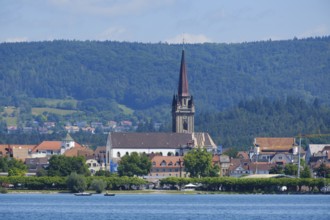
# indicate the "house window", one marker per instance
pixel 163 163
pixel 280 158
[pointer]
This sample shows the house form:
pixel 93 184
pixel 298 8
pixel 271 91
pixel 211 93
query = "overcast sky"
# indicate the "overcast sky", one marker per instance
pixel 197 21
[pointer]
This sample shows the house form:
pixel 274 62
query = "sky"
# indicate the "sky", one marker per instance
pixel 171 21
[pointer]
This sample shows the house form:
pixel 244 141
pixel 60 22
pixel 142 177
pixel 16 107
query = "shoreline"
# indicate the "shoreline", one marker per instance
pixel 169 192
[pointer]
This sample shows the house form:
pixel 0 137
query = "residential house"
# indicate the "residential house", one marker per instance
pixel 94 166
pixel 239 167
pixel 35 164
pixel 223 161
pixel 167 166
pixel 21 152
pixel 276 150
pixel 317 152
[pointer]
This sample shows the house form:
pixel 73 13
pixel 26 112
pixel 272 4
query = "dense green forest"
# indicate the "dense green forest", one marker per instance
pixel 119 80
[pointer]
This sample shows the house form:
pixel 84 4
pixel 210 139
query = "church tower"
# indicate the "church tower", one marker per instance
pixel 183 108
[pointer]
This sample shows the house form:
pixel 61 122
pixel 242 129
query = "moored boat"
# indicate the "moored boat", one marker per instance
pixel 83 194
pixel 109 194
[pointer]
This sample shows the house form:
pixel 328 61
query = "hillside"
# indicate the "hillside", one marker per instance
pixel 144 76
pixel 102 81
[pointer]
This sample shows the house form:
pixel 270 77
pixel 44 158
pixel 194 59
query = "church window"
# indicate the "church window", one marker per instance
pixel 118 154
pixel 169 154
pixel 176 153
pixel 127 153
pixel 185 124
pixel 161 154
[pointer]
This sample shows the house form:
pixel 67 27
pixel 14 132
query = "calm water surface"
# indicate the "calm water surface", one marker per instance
pixel 174 207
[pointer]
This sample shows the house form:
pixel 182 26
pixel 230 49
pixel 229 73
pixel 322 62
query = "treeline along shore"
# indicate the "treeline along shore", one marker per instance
pixel 213 184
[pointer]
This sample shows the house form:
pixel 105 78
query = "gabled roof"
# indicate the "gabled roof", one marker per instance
pixel 158 140
pixel 275 144
pixel 260 166
pixel 100 150
pixel 243 155
pixel 48 145
pixel 79 150
pixel 171 161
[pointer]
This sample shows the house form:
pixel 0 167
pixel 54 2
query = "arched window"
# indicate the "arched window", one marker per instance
pixel 169 154
pixel 118 154
pixel 126 153
pixel 176 153
pixel 161 154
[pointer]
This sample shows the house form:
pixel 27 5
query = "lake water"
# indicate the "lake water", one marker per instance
pixel 163 206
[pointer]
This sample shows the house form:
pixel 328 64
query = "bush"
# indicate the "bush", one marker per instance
pixel 98 185
pixel 3 190
pixel 76 183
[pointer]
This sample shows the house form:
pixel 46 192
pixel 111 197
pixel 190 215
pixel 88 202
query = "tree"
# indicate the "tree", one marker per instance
pixel 277 169
pixel 60 165
pixel 198 162
pixel 134 164
pixel 291 169
pixel 306 172
pixel 13 166
pixel 322 171
pixel 76 182
pixel 231 152
pixel 98 185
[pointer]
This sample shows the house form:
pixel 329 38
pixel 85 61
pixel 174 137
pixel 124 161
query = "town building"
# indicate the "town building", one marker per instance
pixel 276 150
pixel 166 166
pixel 182 139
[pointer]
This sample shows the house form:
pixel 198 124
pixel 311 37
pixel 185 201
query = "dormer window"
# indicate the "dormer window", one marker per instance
pixel 163 163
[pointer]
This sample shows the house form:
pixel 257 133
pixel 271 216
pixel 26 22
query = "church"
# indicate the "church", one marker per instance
pixel 176 143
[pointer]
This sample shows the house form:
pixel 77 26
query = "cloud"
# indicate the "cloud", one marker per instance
pixel 189 38
pixel 113 33
pixel 320 30
pixel 16 39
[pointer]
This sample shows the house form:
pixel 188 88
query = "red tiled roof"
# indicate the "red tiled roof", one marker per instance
pixel 48 145
pixel 174 160
pixel 78 150
pixel 275 144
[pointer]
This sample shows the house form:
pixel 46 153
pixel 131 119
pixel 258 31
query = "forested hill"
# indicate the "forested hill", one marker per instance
pixel 144 77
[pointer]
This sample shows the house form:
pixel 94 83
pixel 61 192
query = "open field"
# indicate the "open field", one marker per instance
pixel 39 111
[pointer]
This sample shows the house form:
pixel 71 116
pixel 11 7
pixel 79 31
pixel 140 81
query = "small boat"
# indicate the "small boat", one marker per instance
pixel 83 194
pixel 109 194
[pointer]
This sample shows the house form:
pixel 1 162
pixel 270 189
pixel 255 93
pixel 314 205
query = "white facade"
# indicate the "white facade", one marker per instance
pixel 118 153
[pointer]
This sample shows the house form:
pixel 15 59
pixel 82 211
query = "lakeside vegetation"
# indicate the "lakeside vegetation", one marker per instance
pixel 212 184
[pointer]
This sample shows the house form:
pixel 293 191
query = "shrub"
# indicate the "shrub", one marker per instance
pixel 98 185
pixel 76 183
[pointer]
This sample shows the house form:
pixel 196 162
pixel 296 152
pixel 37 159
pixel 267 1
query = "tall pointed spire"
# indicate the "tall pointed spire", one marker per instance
pixel 183 81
